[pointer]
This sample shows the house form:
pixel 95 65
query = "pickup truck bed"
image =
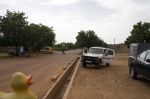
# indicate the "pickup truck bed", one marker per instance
pixel 135 50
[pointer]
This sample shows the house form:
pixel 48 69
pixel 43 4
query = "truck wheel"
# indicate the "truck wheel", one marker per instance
pixel 133 73
pixel 99 65
pixel 84 64
pixel 107 64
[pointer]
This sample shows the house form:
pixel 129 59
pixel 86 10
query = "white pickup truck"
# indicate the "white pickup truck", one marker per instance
pixel 98 56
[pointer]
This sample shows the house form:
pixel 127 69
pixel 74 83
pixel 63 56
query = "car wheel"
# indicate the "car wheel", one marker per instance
pixel 107 64
pixel 133 73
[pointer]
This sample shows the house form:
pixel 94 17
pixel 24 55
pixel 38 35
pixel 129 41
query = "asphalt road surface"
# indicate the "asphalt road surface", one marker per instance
pixel 43 67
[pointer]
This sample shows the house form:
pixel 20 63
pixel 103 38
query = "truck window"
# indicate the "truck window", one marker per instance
pixel 147 56
pixel 110 52
pixel 96 51
pixel 142 55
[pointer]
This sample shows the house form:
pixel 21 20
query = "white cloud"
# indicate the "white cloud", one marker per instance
pixel 108 18
pixel 118 25
pixel 113 3
pixel 60 2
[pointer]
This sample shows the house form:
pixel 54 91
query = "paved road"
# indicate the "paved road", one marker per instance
pixel 43 67
pixel 112 82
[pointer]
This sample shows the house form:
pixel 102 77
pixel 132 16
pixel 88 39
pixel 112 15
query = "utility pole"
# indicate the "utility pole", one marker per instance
pixel 114 43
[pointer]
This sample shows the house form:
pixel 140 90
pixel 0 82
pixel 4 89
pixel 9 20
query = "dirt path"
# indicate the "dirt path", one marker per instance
pixel 113 82
pixel 43 67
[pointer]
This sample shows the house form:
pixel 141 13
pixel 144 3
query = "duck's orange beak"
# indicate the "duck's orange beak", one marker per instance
pixel 29 80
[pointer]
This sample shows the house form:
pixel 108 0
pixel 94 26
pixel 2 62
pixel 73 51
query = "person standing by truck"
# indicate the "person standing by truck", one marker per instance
pixel 85 50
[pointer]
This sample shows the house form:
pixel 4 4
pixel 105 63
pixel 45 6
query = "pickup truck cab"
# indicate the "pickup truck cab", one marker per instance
pixel 141 65
pixel 98 56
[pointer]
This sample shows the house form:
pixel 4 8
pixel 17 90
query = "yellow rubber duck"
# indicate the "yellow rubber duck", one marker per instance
pixel 20 84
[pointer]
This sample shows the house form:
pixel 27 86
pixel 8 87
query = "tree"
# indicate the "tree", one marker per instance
pixel 17 32
pixel 39 36
pixel 139 34
pixel 70 45
pixel 88 39
pixel 64 46
pixel 12 26
pixel 3 41
pixel 81 39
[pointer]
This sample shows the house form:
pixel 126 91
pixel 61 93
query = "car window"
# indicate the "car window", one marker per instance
pixel 142 55
pixel 148 56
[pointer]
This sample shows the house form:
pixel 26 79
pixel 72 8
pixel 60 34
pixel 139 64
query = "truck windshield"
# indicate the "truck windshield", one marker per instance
pixel 95 51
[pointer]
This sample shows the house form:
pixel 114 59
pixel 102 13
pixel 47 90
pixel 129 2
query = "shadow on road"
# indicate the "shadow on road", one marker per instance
pixel 95 67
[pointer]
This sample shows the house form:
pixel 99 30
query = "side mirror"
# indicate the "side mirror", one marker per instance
pixel 148 60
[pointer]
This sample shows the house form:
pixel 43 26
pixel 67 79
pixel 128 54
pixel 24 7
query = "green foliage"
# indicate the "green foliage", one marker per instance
pixel 39 36
pixel 89 39
pixel 12 26
pixel 139 34
pixel 65 46
pixel 17 32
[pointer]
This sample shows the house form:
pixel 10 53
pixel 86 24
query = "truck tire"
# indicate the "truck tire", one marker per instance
pixel 133 73
pixel 84 64
pixel 99 65
pixel 107 64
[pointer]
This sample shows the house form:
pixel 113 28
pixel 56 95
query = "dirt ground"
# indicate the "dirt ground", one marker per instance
pixel 43 67
pixel 112 82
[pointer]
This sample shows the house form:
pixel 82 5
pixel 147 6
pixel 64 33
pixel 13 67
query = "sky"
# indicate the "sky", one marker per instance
pixel 108 18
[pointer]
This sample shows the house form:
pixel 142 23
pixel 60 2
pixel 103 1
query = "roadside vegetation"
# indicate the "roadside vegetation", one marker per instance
pixel 65 46
pixel 88 39
pixel 83 39
pixel 139 34
pixel 16 31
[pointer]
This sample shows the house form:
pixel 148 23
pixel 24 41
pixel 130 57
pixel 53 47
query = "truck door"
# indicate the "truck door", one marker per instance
pixel 109 56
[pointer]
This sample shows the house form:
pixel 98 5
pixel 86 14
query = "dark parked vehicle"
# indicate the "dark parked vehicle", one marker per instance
pixel 139 59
